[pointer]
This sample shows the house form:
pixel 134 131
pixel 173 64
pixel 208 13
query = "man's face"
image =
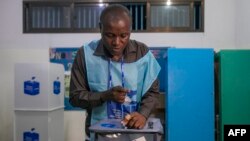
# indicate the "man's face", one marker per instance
pixel 115 34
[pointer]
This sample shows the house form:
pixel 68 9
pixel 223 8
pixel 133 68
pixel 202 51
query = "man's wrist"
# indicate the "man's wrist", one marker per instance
pixel 105 96
pixel 145 113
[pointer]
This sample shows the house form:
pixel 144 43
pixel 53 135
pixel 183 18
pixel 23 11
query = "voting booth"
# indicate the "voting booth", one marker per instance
pixel 234 81
pixel 39 102
pixel 112 129
pixel 190 95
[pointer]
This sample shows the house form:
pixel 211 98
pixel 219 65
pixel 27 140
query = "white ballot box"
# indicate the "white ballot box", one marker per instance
pixel 112 129
pixel 39 125
pixel 39 102
pixel 39 86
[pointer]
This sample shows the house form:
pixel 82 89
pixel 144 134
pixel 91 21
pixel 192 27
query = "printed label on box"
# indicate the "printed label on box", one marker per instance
pixel 119 111
pixel 30 135
pixel 56 86
pixel 31 87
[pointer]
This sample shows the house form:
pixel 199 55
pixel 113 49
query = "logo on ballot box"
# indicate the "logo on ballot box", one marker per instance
pixel 237 132
pixel 118 111
pixel 56 86
pixel 30 135
pixel 31 87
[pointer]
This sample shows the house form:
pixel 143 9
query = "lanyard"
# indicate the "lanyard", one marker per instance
pixel 110 76
pixel 123 81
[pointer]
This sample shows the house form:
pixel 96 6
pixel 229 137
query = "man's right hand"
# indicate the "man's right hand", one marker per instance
pixel 117 94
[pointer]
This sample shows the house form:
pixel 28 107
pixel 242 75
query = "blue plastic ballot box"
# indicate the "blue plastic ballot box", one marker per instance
pixel 112 129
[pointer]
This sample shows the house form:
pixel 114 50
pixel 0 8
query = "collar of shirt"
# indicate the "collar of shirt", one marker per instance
pixel 129 51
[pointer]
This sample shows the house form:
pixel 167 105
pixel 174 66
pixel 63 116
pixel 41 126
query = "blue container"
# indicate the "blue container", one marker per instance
pixel 190 95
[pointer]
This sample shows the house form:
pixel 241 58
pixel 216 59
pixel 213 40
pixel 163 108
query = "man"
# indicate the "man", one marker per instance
pixel 115 76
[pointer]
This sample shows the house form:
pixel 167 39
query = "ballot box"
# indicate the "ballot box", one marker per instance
pixel 39 125
pixel 39 102
pixel 39 86
pixel 112 129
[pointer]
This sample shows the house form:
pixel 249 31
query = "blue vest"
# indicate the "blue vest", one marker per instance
pixel 138 78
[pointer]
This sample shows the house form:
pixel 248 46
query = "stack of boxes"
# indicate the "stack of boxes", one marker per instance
pixel 39 102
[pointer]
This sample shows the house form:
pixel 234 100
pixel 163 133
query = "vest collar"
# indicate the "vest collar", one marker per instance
pixel 102 51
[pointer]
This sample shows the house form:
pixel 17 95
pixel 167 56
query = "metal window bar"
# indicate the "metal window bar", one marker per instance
pixel 50 17
pixel 197 16
pixel 138 15
pixel 170 16
pixel 87 17
pixel 142 15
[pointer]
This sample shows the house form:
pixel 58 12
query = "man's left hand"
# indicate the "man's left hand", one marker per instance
pixel 137 121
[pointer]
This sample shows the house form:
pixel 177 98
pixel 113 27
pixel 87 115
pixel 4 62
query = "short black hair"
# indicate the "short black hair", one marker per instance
pixel 115 9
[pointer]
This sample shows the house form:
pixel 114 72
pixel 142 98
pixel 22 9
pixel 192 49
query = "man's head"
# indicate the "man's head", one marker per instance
pixel 115 27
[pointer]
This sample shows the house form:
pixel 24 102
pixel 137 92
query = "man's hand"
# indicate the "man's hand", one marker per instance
pixel 117 94
pixel 134 120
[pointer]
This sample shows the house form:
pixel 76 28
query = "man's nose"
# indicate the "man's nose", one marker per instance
pixel 116 41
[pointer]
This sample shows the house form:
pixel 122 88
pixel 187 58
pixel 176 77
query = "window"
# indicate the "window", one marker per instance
pixel 86 17
pixel 46 17
pixel 179 16
pixel 71 16
pixel 138 12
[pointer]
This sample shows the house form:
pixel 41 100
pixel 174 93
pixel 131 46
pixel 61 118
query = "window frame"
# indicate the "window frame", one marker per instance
pixel 29 29
pixel 73 3
pixel 168 29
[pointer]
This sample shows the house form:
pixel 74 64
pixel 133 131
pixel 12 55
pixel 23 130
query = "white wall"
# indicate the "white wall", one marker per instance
pixel 243 24
pixel 219 30
pixel 226 27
